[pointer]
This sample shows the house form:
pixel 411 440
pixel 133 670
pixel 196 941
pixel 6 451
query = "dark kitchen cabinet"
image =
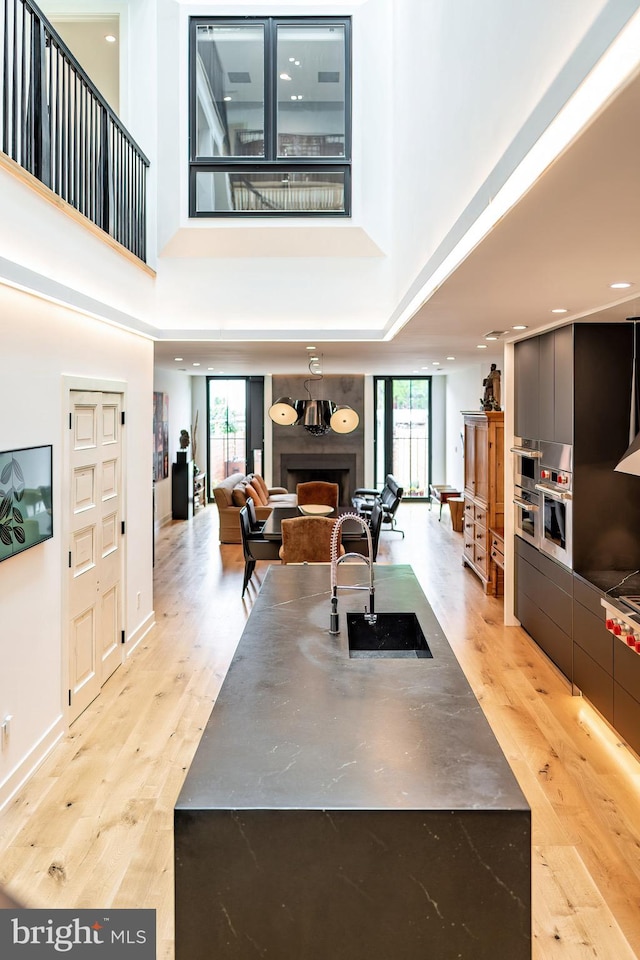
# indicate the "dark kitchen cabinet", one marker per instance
pixel 555 390
pixel 527 388
pixel 563 382
pixel 592 648
pixel 544 386
pixel 544 604
pixel 626 716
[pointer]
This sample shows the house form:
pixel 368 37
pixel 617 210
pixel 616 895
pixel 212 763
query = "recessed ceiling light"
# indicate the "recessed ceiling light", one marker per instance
pixel 292 59
pixel 435 363
pixel 424 368
pixel 491 336
pixel 209 368
pixel 226 99
pixel 621 285
pixel 110 38
pixel 293 96
pixel 196 364
pixel 178 359
pixel 297 63
pixel 450 358
pixel 481 346
pixel 559 310
pixel 285 76
pixel 519 326
pixel 310 348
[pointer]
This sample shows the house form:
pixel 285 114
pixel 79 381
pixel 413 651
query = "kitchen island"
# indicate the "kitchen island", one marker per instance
pixel 344 808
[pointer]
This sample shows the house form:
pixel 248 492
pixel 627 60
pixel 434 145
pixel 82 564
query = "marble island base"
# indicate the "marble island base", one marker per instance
pixel 348 809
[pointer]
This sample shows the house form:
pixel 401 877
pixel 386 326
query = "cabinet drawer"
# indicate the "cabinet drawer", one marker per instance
pixel 469 529
pixel 626 668
pixel 469 508
pixel 561 577
pixel 626 716
pixel 588 596
pixel 469 550
pixel 546 595
pixel 595 683
pixel 481 560
pixel 590 633
pixel 549 637
pixel 480 515
pixel 497 556
pixel 497 548
pixel 480 535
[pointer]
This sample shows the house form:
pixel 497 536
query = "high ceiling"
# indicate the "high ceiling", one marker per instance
pixel 573 234
pixel 569 238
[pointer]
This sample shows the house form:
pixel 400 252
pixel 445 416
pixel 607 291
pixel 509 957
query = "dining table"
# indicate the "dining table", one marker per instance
pixel 272 530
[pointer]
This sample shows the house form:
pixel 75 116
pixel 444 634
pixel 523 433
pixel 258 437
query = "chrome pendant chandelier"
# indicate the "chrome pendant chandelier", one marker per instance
pixel 316 416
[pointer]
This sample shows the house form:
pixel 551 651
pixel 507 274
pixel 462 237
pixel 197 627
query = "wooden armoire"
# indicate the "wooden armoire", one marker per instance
pixel 483 489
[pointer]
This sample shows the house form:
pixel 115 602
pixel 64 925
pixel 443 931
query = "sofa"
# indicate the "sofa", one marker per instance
pixel 231 494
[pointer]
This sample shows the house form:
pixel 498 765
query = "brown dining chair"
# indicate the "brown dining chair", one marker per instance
pixel 318 491
pixel 307 540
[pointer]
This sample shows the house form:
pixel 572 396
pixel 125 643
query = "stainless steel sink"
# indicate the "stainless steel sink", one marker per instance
pixel 390 635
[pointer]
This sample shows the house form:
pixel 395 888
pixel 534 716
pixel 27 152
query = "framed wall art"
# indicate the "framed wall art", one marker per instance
pixel 26 511
pixel 160 436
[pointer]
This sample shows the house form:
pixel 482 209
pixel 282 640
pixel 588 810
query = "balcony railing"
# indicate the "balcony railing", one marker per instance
pixel 55 124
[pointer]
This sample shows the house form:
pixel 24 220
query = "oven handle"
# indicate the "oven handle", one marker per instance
pixel 555 495
pixel 519 502
pixel 526 452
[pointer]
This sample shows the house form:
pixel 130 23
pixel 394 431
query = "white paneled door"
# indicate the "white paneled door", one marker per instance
pixel 95 548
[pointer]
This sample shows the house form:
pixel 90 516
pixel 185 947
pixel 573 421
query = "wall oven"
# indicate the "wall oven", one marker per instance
pixel 526 467
pixel 556 502
pixel 527 514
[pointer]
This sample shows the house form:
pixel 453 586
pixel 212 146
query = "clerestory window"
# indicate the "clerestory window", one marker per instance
pixel 270 117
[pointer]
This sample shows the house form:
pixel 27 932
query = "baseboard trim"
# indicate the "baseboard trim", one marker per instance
pixel 29 764
pixel 140 632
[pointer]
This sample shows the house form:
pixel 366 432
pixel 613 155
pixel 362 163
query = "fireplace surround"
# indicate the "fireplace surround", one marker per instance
pixel 337 468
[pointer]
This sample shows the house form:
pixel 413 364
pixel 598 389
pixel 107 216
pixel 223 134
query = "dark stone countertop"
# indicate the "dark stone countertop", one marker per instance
pixel 617 583
pixel 300 725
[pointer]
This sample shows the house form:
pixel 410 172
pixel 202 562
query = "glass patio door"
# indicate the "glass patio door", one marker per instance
pixel 236 426
pixel 403 433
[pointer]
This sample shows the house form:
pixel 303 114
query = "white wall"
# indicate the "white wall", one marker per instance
pixel 464 391
pixel 178 387
pixel 42 343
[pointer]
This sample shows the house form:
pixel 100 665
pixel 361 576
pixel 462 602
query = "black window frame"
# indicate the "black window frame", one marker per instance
pixel 270 162
pixel 386 440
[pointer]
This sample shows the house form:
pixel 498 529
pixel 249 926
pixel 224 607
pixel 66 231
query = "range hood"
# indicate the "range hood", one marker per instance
pixel 630 460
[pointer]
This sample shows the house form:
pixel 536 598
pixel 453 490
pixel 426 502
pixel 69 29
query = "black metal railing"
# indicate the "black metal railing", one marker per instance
pixel 56 124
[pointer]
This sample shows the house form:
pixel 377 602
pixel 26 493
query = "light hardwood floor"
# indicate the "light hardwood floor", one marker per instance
pixel 93 827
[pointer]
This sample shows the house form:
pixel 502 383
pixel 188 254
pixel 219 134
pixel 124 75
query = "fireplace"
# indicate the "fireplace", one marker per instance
pixel 337 468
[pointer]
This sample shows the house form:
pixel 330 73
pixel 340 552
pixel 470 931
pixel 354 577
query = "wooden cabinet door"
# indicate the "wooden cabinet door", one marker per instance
pixel 481 442
pixel 470 458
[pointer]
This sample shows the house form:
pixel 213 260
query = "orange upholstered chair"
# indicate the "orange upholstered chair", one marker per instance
pixel 307 540
pixel 318 491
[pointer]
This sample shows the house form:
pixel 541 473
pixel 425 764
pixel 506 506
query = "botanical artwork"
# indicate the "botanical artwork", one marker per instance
pixel 25 499
pixel 160 436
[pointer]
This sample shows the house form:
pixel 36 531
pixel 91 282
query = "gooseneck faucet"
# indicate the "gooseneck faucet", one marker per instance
pixel 334 624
